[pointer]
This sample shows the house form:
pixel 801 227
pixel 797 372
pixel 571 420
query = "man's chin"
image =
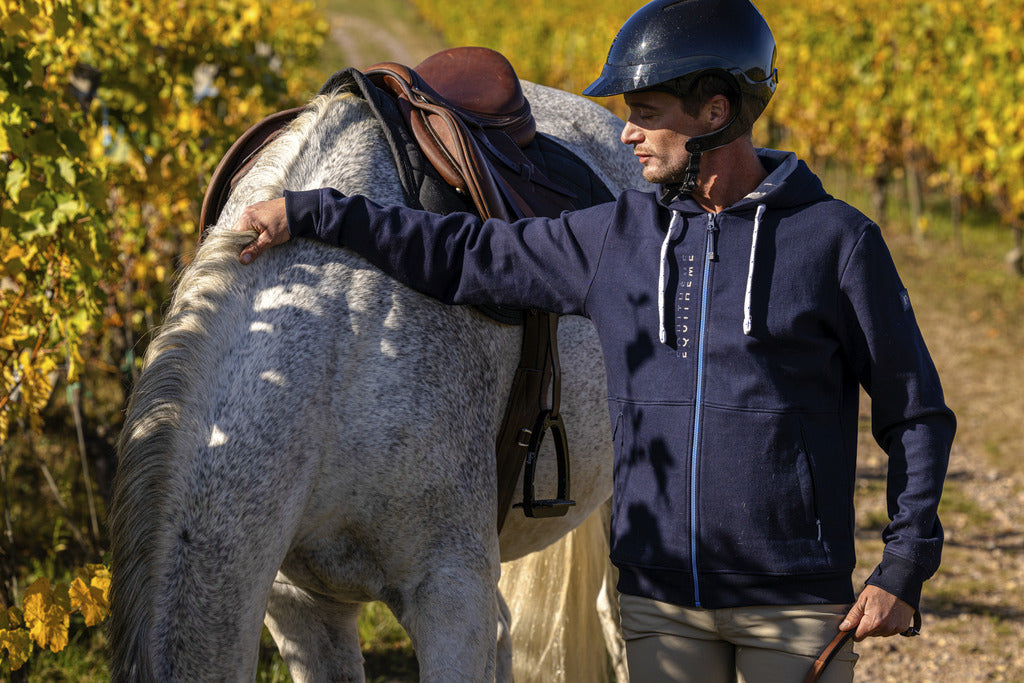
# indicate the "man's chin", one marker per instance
pixel 655 178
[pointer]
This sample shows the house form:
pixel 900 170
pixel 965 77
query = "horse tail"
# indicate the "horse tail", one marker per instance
pixel 161 422
pixel 552 595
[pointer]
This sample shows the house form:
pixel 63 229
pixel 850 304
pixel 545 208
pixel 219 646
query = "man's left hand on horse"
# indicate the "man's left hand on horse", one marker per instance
pixel 877 613
pixel 269 220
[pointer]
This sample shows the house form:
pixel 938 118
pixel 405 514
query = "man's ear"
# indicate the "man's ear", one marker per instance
pixel 718 111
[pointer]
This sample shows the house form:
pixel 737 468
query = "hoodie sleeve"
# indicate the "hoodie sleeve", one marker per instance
pixel 542 263
pixel 909 417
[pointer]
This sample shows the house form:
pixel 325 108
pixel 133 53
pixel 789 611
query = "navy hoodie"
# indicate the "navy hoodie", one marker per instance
pixel 735 345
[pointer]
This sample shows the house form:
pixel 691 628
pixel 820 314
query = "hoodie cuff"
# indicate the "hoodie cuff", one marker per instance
pixel 303 212
pixel 900 577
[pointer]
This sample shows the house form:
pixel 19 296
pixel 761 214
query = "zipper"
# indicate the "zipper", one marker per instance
pixel 712 255
pixel 809 463
pixel 712 238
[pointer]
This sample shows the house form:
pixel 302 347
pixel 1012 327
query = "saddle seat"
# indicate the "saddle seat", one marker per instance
pixel 481 86
pixel 468 114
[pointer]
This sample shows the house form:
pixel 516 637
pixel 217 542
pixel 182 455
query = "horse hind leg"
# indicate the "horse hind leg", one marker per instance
pixel 316 636
pixel 452 618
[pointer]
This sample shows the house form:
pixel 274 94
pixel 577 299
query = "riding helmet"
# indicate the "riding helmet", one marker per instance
pixel 669 40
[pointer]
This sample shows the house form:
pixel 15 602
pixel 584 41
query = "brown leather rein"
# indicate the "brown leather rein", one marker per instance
pixel 833 648
pixel 827 655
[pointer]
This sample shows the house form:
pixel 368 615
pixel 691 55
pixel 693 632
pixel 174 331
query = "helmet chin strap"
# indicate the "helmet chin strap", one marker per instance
pixel 696 146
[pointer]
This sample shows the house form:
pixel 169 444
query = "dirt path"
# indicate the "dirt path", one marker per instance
pixel 973 608
pixel 387 30
pixel 359 38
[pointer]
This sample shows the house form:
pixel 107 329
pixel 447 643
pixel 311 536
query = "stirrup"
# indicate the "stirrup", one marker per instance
pixel 551 507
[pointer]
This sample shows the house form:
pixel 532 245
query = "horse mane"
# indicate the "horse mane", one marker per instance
pixel 302 160
pixel 162 418
pixel 157 425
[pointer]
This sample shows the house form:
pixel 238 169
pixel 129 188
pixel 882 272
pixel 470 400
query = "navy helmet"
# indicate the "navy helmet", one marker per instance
pixel 668 44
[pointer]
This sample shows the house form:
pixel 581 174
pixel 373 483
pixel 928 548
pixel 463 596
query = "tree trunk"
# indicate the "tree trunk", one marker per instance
pixel 879 187
pixel 914 201
pixel 956 210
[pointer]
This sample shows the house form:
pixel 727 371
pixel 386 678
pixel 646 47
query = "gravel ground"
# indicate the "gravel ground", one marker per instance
pixel 973 609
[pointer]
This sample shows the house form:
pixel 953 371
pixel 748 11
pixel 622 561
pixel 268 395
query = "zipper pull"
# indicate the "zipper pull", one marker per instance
pixel 712 238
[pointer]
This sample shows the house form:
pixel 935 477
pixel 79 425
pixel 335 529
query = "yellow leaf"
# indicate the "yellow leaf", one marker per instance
pixel 9 617
pixel 15 251
pixel 99 577
pixel 90 601
pixel 47 623
pixel 251 15
pixel 18 644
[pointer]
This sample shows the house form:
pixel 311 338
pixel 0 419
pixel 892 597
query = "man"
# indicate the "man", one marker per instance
pixel 739 309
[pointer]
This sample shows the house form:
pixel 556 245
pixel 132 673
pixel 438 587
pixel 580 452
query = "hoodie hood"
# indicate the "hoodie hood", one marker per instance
pixel 790 183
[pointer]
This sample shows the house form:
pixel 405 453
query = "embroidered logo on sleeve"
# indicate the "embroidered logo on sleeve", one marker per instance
pixel 905 299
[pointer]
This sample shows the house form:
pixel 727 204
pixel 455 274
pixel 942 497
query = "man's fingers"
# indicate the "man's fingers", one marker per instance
pixel 858 618
pixel 269 220
pixel 877 613
pixel 853 617
pixel 254 249
pixel 247 220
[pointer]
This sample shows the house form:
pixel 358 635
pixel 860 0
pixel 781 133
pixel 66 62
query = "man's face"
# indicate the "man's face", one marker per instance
pixel 658 129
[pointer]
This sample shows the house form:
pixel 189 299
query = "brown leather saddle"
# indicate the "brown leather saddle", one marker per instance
pixel 470 119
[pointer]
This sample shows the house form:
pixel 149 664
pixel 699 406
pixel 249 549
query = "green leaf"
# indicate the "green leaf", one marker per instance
pixel 68 207
pixel 67 170
pixel 17 175
pixel 61 19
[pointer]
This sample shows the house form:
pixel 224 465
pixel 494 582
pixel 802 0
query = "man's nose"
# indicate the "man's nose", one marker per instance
pixel 631 134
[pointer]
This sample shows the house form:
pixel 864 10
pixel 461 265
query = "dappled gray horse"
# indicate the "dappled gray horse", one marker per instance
pixel 308 435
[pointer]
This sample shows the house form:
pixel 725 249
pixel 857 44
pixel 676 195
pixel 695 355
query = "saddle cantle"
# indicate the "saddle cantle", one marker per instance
pixel 461 116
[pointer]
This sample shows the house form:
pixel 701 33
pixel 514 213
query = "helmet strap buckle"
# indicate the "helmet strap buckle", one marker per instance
pixel 689 183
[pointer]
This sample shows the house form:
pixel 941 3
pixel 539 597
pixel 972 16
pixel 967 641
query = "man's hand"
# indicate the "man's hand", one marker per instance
pixel 269 220
pixel 877 613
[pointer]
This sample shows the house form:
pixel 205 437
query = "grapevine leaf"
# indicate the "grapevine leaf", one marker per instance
pixel 90 601
pixel 18 644
pixel 46 621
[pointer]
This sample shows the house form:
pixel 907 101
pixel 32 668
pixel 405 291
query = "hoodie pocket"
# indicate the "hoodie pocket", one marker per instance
pixel 650 505
pixel 759 508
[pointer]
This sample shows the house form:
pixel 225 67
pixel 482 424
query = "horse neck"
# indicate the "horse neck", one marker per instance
pixel 336 142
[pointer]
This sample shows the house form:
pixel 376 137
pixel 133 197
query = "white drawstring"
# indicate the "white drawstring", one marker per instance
pixel 748 321
pixel 661 275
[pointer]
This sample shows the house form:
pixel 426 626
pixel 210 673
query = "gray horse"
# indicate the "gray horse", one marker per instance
pixel 308 435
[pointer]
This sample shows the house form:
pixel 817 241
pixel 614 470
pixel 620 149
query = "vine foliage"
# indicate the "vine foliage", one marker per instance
pixel 113 114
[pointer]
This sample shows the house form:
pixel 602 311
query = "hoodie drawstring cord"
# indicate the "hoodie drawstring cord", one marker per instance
pixel 672 226
pixel 748 321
